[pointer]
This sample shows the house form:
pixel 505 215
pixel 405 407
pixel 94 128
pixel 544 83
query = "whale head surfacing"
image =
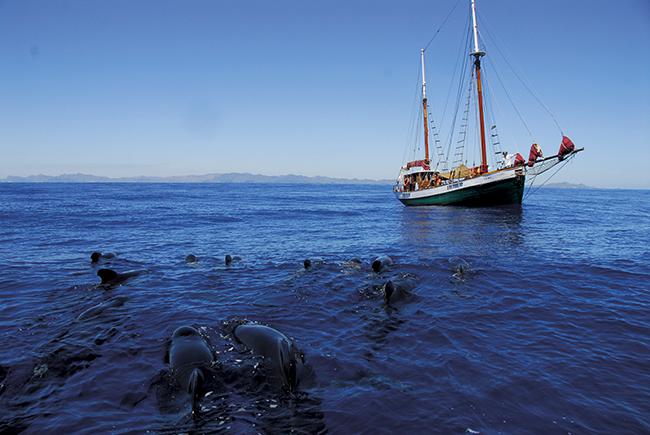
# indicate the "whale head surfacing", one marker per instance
pixel 108 276
pixel 381 263
pixel 189 356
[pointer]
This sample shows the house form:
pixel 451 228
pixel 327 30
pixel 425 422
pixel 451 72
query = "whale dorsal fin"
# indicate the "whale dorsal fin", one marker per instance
pixel 389 289
pixel 107 275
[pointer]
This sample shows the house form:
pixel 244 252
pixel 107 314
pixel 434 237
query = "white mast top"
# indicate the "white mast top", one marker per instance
pixel 477 51
pixel 424 80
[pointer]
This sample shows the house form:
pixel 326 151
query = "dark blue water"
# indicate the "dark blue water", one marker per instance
pixel 546 331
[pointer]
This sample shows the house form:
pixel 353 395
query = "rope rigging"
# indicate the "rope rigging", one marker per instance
pixel 528 88
pixel 530 190
pixel 442 25
pixel 469 113
pixel 459 92
pixel 467 70
pixel 413 132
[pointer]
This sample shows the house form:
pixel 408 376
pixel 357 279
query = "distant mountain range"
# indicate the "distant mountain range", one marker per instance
pixel 565 185
pixel 234 177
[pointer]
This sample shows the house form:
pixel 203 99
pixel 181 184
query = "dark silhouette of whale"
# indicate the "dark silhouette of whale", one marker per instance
pixel 230 258
pixel 110 278
pixel 309 262
pixel 381 263
pixel 191 258
pixel 96 256
pixel 284 359
pixel 396 291
pixel 189 359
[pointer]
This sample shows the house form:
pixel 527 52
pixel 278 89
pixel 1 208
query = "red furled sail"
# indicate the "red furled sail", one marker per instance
pixel 421 163
pixel 535 153
pixel 519 160
pixel 566 147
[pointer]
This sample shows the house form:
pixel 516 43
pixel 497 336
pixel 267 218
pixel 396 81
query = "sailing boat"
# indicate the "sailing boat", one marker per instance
pixel 479 185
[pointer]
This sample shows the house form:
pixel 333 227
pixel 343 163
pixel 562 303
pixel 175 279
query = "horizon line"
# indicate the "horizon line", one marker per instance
pixel 240 177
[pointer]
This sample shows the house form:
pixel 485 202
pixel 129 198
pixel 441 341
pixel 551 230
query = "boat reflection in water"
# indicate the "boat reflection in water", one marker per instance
pixel 432 230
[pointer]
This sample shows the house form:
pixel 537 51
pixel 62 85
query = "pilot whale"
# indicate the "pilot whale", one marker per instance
pixel 381 263
pixel 309 262
pixel 396 291
pixel 189 358
pixel 96 256
pixel 110 278
pixel 230 258
pixel 284 359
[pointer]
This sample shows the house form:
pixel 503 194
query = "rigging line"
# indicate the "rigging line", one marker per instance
pixel 462 134
pixel 495 109
pixel 510 99
pixel 459 95
pixel 415 107
pixel 530 192
pixel 477 143
pixel 489 113
pixel 492 106
pixel 411 137
pixel 523 82
pixel 461 54
pixel 418 147
pixel 442 25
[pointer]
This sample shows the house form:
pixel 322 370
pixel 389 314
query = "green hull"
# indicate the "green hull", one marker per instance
pixel 501 192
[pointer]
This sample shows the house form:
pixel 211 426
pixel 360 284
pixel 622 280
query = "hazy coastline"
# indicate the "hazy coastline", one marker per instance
pixel 232 177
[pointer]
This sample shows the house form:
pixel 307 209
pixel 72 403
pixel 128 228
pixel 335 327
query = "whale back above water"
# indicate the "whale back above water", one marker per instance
pixel 107 275
pixel 275 347
pixel 110 277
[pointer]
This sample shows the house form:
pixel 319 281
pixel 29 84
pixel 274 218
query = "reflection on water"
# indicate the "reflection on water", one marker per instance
pixel 428 230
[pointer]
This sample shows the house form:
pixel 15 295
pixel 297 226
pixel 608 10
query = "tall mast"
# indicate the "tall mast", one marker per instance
pixel 424 110
pixel 477 53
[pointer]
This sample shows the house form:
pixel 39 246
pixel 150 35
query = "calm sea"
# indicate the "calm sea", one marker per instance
pixel 547 330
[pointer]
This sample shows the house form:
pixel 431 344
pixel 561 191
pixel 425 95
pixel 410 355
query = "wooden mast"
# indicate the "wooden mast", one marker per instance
pixel 479 88
pixel 425 110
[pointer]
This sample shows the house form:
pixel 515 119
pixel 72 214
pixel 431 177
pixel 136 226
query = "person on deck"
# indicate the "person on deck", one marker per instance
pixel 507 159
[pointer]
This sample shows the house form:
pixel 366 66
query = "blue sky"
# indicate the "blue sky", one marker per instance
pixel 123 88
